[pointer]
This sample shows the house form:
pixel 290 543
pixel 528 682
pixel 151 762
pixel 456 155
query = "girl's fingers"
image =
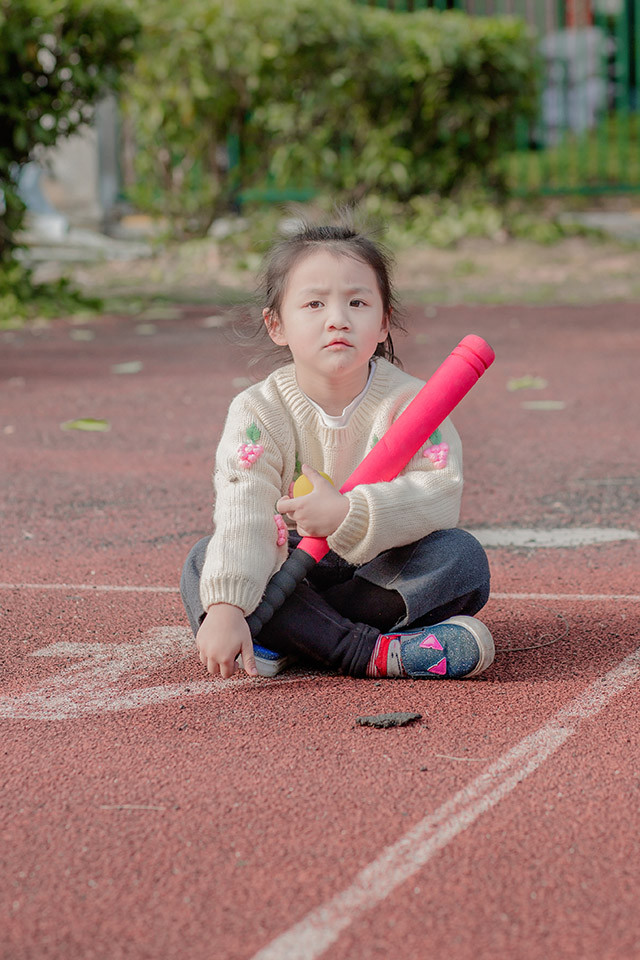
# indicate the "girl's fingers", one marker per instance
pixel 248 659
pixel 312 473
pixel 212 666
pixel 227 669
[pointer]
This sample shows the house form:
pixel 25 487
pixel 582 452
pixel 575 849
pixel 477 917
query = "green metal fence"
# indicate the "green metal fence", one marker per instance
pixel 587 135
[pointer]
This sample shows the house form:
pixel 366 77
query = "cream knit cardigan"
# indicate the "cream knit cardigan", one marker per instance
pixel 283 430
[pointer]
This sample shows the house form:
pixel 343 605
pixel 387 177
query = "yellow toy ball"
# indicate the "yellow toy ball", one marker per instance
pixel 303 485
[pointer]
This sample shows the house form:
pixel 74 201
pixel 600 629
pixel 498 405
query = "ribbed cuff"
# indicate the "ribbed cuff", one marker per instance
pixel 236 591
pixel 347 539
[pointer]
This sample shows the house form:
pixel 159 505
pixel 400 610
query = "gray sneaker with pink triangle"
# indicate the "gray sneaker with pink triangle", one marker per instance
pixel 461 647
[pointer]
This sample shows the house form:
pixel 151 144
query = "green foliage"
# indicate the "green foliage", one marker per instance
pixel 21 299
pixel 343 97
pixel 56 58
pixel 597 161
pixel 429 221
pixel 445 222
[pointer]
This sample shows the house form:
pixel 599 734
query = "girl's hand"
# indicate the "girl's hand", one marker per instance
pixel 319 513
pixel 223 634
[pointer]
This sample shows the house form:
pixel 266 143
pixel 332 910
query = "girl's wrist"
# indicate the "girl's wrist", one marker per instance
pixel 223 607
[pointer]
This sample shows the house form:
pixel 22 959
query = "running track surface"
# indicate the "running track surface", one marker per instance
pixel 149 811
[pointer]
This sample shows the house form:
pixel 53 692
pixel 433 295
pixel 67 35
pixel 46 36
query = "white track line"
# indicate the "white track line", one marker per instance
pixel 557 537
pixel 316 932
pixel 571 597
pixel 92 587
pixel 124 588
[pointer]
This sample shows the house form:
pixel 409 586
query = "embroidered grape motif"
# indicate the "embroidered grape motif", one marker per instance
pixel 438 455
pixel 249 452
pixel 283 533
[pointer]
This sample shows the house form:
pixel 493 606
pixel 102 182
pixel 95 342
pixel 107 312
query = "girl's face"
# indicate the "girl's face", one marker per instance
pixel 332 318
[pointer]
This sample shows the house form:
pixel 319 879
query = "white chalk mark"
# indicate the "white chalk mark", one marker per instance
pixel 571 537
pixel 99 678
pixel 315 933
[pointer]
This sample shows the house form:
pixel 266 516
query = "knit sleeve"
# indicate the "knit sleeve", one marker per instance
pixel 425 497
pixel 246 547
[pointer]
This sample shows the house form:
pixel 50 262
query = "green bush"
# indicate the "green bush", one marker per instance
pixel 335 95
pixel 56 58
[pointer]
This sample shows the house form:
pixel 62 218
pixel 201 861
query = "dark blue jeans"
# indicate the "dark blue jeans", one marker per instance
pixel 335 617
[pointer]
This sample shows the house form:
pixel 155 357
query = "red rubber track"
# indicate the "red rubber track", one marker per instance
pixel 151 812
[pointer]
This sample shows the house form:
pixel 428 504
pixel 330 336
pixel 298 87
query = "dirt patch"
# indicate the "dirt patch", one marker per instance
pixel 385 720
pixel 575 270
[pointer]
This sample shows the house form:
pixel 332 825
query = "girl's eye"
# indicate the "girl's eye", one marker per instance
pixel 314 304
pixel 357 303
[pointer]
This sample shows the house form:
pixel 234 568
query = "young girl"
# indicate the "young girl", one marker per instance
pixel 396 594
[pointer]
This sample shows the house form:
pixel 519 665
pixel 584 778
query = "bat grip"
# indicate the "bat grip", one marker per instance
pixel 279 588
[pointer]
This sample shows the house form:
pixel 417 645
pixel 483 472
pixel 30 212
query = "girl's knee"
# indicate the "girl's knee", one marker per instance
pixel 190 583
pixel 468 554
pixel 465 542
pixel 475 559
pixel 194 563
pixel 196 555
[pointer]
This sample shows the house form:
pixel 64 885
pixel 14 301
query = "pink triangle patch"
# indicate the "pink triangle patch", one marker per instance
pixel 432 643
pixel 440 667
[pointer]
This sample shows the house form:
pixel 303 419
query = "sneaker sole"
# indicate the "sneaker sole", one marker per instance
pixel 484 640
pixel 268 663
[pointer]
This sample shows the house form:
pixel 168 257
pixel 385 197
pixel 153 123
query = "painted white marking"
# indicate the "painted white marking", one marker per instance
pixel 316 932
pixel 559 537
pixel 570 597
pixel 98 679
pixel 92 587
pixel 97 588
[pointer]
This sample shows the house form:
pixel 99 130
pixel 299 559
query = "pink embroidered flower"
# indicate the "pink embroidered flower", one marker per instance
pixel 283 533
pixel 249 452
pixel 438 454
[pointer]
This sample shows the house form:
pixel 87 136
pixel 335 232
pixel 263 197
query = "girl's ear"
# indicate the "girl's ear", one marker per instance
pixel 274 327
pixel 384 328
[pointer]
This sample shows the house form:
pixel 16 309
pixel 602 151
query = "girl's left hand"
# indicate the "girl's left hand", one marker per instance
pixel 319 513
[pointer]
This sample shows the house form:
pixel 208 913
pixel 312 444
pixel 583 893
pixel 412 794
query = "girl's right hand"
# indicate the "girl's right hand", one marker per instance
pixel 223 634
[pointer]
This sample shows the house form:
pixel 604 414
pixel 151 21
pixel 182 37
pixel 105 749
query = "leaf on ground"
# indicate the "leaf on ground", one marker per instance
pixel 87 423
pixel 160 312
pixel 543 404
pixel 82 334
pixel 526 383
pixel 132 366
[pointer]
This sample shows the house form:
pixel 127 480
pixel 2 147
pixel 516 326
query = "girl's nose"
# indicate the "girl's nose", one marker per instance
pixel 339 319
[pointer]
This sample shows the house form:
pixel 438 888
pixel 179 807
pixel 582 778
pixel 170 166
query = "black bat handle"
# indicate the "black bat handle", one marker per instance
pixel 280 587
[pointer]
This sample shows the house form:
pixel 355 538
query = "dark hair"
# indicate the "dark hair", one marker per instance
pixel 343 239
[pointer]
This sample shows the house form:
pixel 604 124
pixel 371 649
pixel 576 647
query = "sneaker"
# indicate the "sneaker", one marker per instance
pixel 457 648
pixel 268 663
